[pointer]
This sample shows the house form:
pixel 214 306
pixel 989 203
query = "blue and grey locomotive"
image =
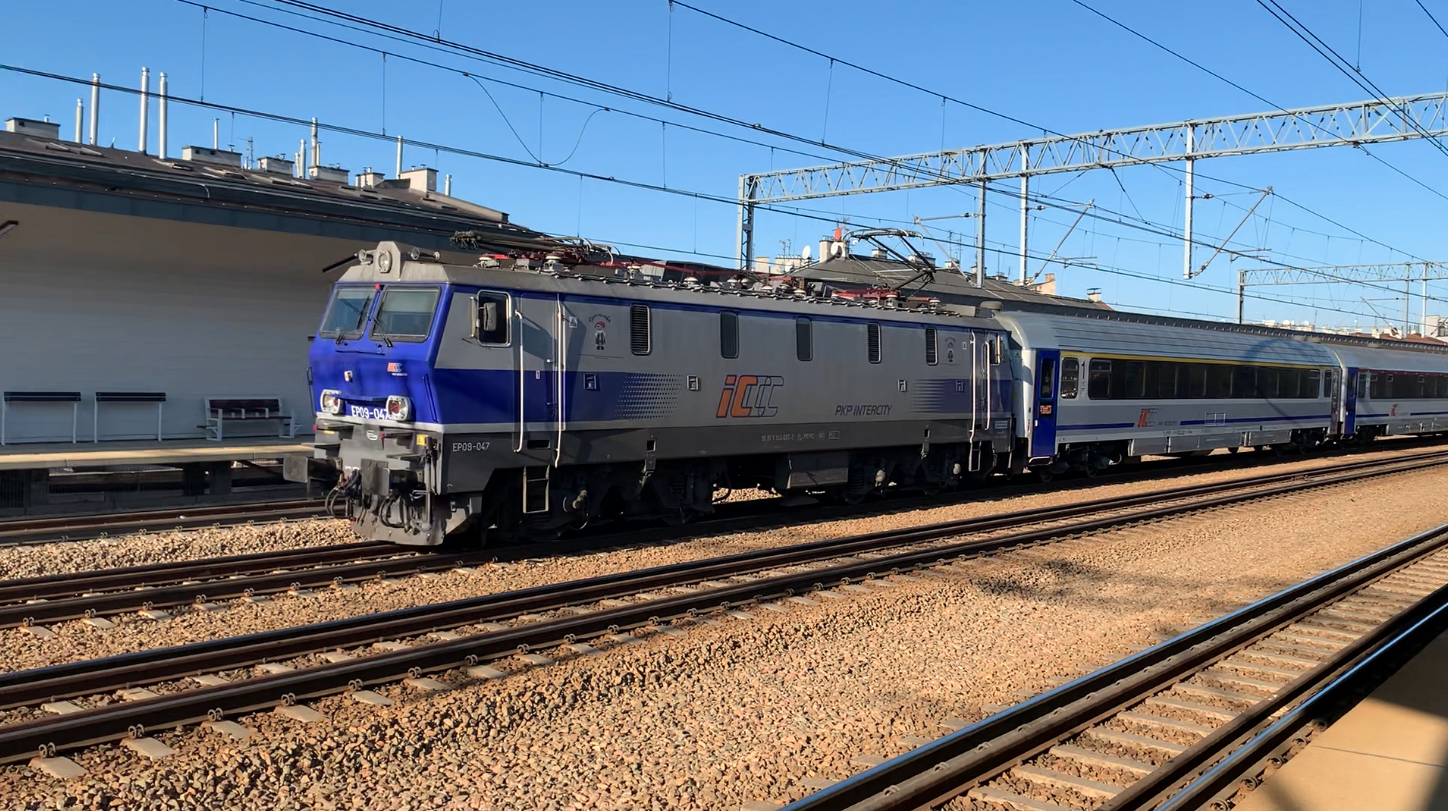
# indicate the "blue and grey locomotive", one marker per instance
pixel 521 397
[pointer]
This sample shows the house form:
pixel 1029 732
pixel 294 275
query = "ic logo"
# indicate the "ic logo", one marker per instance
pixel 748 396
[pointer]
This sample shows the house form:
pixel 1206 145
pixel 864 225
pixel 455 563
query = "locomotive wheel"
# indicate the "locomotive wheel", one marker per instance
pixel 1044 474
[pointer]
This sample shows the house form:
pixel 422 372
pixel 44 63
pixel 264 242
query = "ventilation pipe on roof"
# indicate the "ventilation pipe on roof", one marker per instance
pixel 161 120
pixel 145 109
pixel 95 124
pixel 447 185
pixel 399 157
pixel 215 133
pixel 79 119
pixel 302 158
pixel 316 146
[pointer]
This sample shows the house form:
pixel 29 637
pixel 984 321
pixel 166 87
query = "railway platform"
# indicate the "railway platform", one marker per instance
pixel 1389 753
pixel 64 477
pixel 52 455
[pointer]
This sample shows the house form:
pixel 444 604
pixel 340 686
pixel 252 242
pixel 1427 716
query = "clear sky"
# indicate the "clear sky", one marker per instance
pixel 1047 62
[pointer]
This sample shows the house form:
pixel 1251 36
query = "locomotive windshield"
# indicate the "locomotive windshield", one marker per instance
pixel 405 313
pixel 347 313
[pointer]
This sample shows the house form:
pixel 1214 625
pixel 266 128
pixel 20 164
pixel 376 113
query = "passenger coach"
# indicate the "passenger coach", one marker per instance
pixel 1094 391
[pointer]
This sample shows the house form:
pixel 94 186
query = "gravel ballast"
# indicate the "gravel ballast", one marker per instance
pixel 79 640
pixel 747 710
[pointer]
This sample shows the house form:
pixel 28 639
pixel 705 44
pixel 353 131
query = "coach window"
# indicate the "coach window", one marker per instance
pixel 729 335
pixel 1070 378
pixel 1267 387
pixel 490 323
pixel 1244 382
pixel 872 342
pixel 1377 385
pixel 803 339
pixel 1129 380
pixel 1317 385
pixel 1196 380
pixel 640 326
pixel 1362 384
pixel 1046 386
pixel 932 347
pixel 1098 380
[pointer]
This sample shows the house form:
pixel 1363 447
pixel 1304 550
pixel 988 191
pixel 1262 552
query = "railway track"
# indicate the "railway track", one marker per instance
pixel 1188 723
pixel 732 517
pixel 467 633
pixel 156 587
pixel 83 527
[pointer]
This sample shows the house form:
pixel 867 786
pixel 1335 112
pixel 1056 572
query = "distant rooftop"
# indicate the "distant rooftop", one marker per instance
pixel 38 168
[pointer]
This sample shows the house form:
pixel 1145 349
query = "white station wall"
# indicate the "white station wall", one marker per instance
pixel 102 302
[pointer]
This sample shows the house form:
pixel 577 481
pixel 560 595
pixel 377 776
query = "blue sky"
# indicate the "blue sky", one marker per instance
pixel 1048 62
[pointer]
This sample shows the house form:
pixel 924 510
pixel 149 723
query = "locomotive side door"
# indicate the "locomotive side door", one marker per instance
pixel 538 324
pixel 1043 424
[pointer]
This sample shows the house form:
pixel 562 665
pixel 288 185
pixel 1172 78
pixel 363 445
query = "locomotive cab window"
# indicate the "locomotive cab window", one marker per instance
pixel 729 335
pixel 405 313
pixel 347 312
pixel 1070 378
pixel 640 335
pixel 803 339
pixel 490 325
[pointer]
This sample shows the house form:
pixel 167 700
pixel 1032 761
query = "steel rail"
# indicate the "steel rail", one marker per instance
pixel 1252 737
pixel 116 721
pixel 179 594
pixel 58 585
pixel 84 527
pixel 948 767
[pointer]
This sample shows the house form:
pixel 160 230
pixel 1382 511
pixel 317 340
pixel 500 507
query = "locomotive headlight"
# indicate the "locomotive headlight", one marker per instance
pixel 399 408
pixel 331 402
pixel 384 261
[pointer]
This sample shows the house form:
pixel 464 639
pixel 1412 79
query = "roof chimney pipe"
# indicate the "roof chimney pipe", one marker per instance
pixel 79 120
pixel 399 157
pixel 316 145
pixel 95 123
pixel 161 121
pixel 215 133
pixel 302 158
pixel 145 108
pixel 447 185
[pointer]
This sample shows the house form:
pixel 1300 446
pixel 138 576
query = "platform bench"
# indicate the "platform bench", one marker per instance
pixel 10 397
pixel 141 397
pixel 221 410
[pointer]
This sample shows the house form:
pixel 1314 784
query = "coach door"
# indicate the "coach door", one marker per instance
pixel 1043 430
pixel 1349 401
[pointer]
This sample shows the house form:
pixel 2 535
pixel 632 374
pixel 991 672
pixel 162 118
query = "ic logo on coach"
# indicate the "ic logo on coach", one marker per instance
pixel 749 396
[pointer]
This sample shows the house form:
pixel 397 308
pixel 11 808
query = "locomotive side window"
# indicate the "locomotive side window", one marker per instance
pixel 1098 381
pixel 729 335
pixel 347 312
pixel 803 339
pixel 405 313
pixel 640 335
pixel 1070 378
pixel 491 326
pixel 932 347
pixel 872 342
